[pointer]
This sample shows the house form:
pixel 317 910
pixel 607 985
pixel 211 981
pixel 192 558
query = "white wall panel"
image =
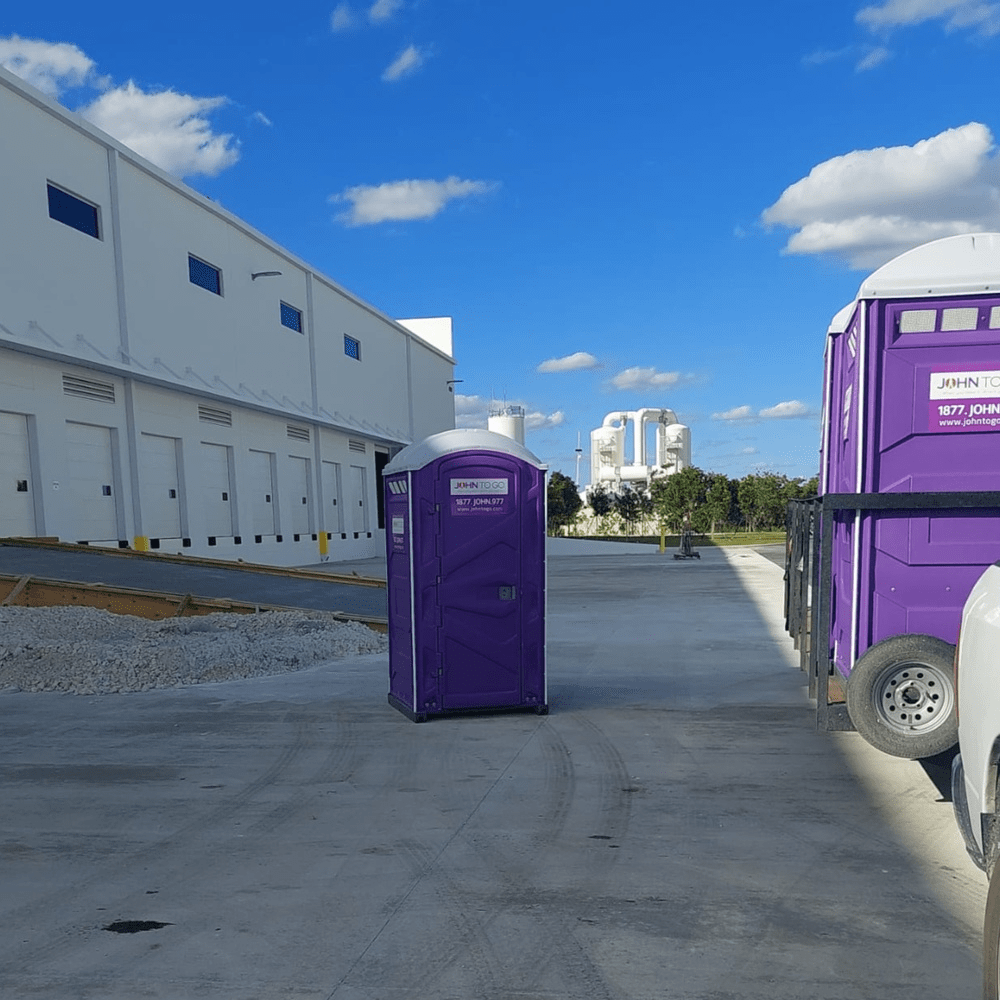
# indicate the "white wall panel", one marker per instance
pixel 236 337
pixel 52 274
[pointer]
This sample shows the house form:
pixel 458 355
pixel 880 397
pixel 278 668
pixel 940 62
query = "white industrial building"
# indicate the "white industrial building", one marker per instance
pixel 172 380
pixel 671 451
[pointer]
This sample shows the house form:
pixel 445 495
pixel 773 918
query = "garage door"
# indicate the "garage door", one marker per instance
pixel 216 490
pixel 332 517
pixel 17 512
pixel 159 486
pixel 262 500
pixel 299 493
pixel 359 499
pixel 91 482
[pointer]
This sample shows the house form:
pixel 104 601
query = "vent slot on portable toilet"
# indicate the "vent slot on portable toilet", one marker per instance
pixel 917 321
pixel 297 433
pixel 959 319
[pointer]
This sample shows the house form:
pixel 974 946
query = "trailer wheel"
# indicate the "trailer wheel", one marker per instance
pixel 991 940
pixel 901 696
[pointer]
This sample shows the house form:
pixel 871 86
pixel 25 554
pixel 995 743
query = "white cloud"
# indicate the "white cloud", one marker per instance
pixel 470 411
pixel 169 128
pixel 580 361
pixel 538 420
pixel 737 413
pixel 822 56
pixel 791 410
pixel 404 200
pixel 49 66
pixel 872 58
pixel 869 205
pixel 957 14
pixel 469 404
pixel 342 18
pixel 383 10
pixel 259 116
pixel 166 127
pixel 647 378
pixel 406 63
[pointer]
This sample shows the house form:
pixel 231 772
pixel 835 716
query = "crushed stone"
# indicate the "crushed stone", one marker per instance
pixel 88 651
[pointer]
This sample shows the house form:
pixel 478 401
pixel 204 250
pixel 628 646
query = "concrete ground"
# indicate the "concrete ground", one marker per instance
pixel 675 828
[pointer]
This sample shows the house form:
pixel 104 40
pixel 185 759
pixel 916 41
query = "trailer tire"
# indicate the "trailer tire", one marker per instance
pixel 901 696
pixel 991 940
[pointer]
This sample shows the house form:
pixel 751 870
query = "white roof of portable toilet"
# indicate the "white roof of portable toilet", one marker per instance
pixel 955 265
pixel 421 454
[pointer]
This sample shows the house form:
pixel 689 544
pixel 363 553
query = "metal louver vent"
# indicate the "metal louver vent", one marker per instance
pixel 88 388
pixel 297 433
pixel 356 445
pixel 213 415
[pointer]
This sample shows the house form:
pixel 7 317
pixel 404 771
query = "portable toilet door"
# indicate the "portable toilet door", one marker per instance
pixel 465 558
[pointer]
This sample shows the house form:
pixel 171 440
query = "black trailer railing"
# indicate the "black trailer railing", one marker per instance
pixel 808 575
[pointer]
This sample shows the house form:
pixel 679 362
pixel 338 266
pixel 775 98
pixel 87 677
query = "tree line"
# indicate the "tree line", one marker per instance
pixel 704 501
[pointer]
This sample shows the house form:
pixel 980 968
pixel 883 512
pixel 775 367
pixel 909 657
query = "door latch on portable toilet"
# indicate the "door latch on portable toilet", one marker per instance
pixel 508 593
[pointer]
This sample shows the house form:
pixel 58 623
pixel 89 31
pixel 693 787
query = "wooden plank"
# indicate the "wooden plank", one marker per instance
pixel 33 592
pixel 18 587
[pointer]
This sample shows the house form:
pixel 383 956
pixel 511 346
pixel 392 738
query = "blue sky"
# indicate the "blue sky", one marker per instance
pixel 620 204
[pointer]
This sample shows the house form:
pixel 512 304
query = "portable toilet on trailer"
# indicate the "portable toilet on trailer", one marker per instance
pixel 465 560
pixel 910 469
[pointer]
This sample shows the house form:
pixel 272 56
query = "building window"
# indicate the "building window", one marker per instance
pixel 72 211
pixel 352 347
pixel 204 275
pixel 291 317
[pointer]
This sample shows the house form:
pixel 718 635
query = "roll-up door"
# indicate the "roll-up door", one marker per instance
pixel 216 491
pixel 17 512
pixel 159 486
pixel 91 482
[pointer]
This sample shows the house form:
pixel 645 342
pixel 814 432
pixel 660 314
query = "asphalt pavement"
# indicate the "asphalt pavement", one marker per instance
pixel 202 578
pixel 675 827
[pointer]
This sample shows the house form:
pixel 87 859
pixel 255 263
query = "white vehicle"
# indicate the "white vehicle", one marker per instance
pixel 976 769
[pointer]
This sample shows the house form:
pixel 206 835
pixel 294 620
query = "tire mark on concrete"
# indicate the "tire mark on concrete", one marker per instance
pixel 165 853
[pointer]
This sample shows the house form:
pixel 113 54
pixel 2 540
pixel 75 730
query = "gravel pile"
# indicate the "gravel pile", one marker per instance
pixel 87 651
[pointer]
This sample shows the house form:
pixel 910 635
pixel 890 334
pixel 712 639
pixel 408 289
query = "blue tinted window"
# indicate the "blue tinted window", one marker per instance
pixel 291 317
pixel 72 211
pixel 352 347
pixel 204 275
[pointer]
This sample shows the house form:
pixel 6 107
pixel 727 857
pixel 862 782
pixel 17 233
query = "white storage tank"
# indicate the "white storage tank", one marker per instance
pixel 607 452
pixel 673 447
pixel 508 421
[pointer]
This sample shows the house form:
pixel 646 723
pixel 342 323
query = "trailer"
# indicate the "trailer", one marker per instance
pixel 880 563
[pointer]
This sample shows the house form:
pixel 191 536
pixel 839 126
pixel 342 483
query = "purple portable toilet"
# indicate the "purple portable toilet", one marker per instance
pixel 465 562
pixel 910 469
